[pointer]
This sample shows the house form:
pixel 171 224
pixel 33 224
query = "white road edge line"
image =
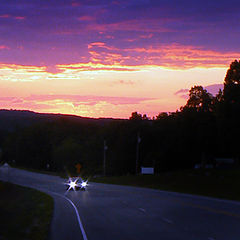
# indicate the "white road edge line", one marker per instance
pixel 78 217
pixel 167 220
pixel 75 208
pixel 142 209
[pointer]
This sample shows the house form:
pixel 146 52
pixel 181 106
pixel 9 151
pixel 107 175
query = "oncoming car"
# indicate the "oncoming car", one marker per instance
pixel 76 184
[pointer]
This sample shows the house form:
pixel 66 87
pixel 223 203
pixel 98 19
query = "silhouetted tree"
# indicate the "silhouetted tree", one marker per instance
pixel 228 116
pixel 162 115
pixel 232 83
pixel 136 116
pixel 200 99
pixel 231 91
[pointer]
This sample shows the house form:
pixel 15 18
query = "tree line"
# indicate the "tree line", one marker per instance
pixel 205 128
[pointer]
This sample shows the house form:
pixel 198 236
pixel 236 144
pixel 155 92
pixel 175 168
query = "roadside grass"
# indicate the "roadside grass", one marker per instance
pixel 63 174
pixel 216 183
pixel 24 213
pixel 39 171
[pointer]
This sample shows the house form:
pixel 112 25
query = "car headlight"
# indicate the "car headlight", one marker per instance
pixel 83 184
pixel 72 184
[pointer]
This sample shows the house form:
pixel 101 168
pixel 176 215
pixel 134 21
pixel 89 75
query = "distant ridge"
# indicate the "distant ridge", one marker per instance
pixel 12 119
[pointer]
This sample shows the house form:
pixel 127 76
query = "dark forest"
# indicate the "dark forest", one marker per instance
pixel 205 128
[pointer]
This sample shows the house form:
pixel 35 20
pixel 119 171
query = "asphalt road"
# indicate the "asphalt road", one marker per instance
pixel 110 212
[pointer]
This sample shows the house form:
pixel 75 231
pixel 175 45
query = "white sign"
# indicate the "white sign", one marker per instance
pixel 4 171
pixel 5 166
pixel 147 170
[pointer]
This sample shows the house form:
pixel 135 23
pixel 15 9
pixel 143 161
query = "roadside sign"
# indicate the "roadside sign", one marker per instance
pixel 78 167
pixel 145 170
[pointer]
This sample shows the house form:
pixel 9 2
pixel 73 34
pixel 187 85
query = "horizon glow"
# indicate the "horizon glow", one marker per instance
pixel 112 58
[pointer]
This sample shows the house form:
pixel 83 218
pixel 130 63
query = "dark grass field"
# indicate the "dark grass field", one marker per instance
pixel 214 183
pixel 24 213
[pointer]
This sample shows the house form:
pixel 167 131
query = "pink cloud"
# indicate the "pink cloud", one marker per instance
pixel 147 36
pixel 173 56
pixel 213 89
pixel 91 66
pixel 28 68
pixel 116 3
pixel 7 99
pixel 105 57
pixel 15 17
pixel 11 100
pixel 95 106
pixel 86 18
pixel 2 47
pixel 109 37
pixel 146 28
pixel 182 93
pixel 20 18
pixel 185 90
pixel 75 4
pixel 126 82
pixel 96 44
pixel 5 16
pixel 21 103
pixel 20 47
pixel 87 100
pixel 29 106
pixel 53 69
pixel 129 25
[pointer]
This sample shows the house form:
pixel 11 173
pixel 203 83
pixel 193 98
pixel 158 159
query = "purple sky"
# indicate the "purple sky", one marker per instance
pixel 136 53
pixel 53 32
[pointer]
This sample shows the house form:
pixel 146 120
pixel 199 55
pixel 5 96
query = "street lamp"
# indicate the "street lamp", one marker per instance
pixel 105 147
pixel 137 152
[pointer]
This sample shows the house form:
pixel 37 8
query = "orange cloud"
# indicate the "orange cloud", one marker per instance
pixel 173 56
pixel 21 73
pixel 94 106
pixel 88 100
pixel 102 45
pixel 4 66
pixel 95 67
pixel 108 58
pixel 96 44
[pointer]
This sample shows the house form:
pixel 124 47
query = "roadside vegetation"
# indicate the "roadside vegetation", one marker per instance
pixel 24 213
pixel 223 184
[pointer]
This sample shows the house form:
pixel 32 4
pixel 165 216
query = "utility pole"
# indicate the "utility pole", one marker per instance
pixel 104 157
pixel 137 152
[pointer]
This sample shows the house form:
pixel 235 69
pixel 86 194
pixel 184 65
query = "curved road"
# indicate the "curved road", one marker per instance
pixel 110 212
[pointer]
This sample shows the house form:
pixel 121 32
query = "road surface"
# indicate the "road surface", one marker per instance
pixel 111 212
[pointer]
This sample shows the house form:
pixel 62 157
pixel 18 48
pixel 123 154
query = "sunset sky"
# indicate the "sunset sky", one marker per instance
pixel 99 58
